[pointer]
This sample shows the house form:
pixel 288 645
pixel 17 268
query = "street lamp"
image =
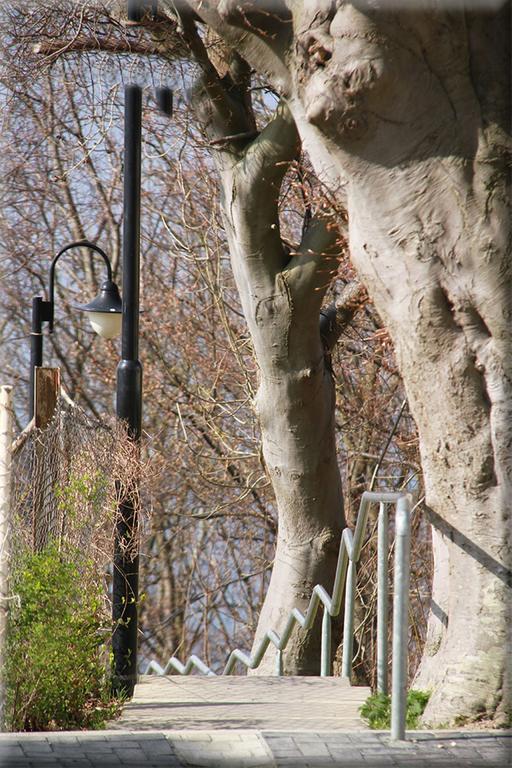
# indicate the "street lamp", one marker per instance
pixel 125 578
pixel 104 311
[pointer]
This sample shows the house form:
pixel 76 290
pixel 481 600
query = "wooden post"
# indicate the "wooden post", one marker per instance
pixel 47 388
pixel 6 422
pixel 46 397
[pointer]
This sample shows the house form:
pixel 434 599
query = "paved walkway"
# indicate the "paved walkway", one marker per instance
pixel 257 703
pixel 250 722
pixel 255 749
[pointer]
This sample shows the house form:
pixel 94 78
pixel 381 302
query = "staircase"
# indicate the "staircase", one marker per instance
pixel 255 702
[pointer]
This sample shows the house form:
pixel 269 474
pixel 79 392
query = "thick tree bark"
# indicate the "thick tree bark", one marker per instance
pixel 281 294
pixel 429 234
pixel 406 115
pixel 426 183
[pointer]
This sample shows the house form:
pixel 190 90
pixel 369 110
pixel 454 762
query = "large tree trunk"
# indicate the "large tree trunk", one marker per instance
pixel 294 404
pixel 419 150
pixel 406 116
pixel 281 292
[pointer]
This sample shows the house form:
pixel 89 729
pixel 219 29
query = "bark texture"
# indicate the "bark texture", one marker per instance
pixel 424 167
pixel 406 115
pixel 281 291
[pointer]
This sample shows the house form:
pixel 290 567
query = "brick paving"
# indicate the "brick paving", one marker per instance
pixel 250 722
pixel 254 703
pixel 256 749
pixel 423 749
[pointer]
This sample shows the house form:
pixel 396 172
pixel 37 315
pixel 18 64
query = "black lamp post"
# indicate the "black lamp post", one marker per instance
pixel 104 311
pixel 125 585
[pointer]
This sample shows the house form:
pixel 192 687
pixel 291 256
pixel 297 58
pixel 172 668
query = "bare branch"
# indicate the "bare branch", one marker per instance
pixel 86 43
pixel 269 51
pixel 335 318
pixel 267 158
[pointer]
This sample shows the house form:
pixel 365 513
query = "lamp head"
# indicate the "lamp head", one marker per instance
pixel 105 311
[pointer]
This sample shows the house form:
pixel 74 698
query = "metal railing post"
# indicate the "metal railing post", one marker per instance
pixel 348 621
pixel 382 599
pixel 400 619
pixel 325 657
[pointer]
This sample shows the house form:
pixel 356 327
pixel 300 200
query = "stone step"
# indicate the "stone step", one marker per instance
pixel 286 703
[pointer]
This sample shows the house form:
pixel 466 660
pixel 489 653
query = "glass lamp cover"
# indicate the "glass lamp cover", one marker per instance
pixel 106 324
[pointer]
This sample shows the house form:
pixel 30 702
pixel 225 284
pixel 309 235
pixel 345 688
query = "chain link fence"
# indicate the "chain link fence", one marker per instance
pixel 67 482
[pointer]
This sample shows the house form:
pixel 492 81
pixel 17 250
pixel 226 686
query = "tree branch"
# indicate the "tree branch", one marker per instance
pixel 229 111
pixel 252 187
pixel 335 317
pixel 248 44
pixel 84 43
pixel 268 157
pixel 267 19
pixel 312 266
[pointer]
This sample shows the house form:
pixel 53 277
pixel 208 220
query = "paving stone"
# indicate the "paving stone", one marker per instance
pixel 344 754
pixel 156 749
pixel 315 749
pixel 254 749
pixel 92 748
pixel 34 748
pixel 10 750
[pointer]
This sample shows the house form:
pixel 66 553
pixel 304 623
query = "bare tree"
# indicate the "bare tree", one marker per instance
pixel 64 181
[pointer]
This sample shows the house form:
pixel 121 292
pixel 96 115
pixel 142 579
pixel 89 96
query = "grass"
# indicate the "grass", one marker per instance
pixel 377 710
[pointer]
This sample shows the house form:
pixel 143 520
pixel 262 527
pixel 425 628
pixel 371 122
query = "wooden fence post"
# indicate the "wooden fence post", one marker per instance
pixel 46 397
pixel 47 389
pixel 6 425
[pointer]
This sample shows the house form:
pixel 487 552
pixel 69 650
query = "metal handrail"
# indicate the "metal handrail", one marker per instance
pixel 348 557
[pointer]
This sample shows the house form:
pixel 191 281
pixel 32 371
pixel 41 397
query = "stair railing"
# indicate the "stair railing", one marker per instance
pixel 345 583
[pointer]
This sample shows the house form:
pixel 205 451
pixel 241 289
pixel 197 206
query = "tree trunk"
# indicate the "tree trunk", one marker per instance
pixel 420 153
pixel 281 294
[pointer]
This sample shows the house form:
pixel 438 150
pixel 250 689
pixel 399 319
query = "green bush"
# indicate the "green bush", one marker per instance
pixel 377 710
pixel 56 670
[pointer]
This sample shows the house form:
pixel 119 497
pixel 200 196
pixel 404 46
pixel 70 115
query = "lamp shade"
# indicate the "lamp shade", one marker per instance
pixel 105 311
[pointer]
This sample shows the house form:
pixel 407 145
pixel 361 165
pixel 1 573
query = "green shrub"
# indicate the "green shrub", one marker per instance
pixel 377 710
pixel 56 658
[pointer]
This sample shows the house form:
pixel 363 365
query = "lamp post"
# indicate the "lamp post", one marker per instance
pixel 129 374
pixel 104 311
pixel 129 408
pixel 125 580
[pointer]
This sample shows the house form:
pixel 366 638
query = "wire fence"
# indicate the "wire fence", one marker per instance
pixel 67 482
